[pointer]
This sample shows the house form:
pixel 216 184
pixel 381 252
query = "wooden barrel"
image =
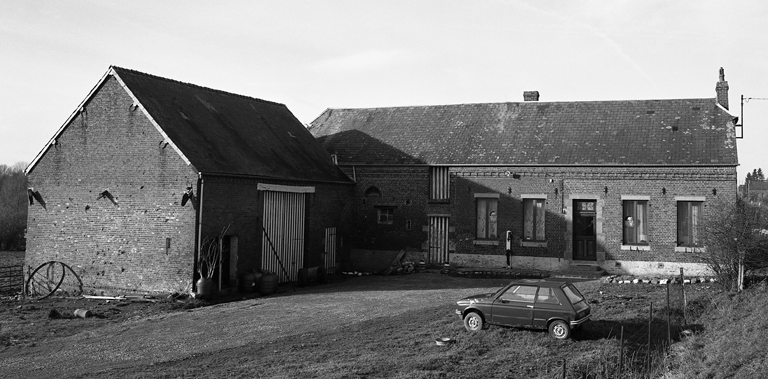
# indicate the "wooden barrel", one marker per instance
pixel 248 282
pixel 267 283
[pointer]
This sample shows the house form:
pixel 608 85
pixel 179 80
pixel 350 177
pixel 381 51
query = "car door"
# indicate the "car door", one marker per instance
pixel 548 305
pixel 514 306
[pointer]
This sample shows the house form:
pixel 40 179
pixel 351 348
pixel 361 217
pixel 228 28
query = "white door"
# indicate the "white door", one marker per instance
pixel 282 247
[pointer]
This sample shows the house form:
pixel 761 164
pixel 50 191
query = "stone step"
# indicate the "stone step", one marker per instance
pixel 580 272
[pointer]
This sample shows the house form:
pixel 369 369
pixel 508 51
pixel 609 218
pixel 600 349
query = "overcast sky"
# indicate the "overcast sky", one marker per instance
pixel 313 55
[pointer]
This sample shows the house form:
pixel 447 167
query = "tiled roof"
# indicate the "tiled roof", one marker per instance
pixel 635 132
pixel 221 132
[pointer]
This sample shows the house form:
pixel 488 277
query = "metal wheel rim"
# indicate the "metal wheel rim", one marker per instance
pixel 559 330
pixel 473 322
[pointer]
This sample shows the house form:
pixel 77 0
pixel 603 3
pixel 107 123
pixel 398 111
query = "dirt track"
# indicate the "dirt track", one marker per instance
pixel 182 334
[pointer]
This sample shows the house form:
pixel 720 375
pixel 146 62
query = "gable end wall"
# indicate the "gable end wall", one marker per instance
pixel 114 249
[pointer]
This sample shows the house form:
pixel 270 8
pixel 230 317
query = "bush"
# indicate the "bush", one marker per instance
pixel 735 234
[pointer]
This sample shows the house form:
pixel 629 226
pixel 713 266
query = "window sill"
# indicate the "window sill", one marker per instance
pixel 439 201
pixel 533 243
pixel 486 242
pixel 636 247
pixel 689 249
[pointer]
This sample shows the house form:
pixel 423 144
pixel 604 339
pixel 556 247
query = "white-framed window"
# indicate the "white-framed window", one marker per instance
pixel 635 222
pixel 385 215
pixel 486 206
pixel 534 218
pixel 689 217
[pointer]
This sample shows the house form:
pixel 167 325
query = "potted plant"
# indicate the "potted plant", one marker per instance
pixel 208 260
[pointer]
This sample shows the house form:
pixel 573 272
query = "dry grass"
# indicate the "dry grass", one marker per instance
pixel 403 345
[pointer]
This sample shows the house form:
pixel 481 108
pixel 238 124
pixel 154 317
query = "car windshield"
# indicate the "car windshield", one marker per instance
pixel 573 294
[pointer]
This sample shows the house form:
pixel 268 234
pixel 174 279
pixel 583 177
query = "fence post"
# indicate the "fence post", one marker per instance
pixel 621 353
pixel 685 302
pixel 563 368
pixel 669 335
pixel 648 353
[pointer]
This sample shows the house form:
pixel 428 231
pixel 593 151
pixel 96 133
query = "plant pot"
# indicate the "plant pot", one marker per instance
pixel 204 288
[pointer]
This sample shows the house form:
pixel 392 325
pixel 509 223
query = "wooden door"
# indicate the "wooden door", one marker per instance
pixel 584 230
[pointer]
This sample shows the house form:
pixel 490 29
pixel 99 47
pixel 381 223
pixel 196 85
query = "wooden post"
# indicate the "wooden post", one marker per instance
pixel 564 373
pixel 648 352
pixel 669 335
pixel 685 302
pixel 621 353
pixel 740 279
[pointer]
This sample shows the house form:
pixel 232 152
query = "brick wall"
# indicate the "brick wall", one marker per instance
pixel 235 202
pixel 114 248
pixel 560 185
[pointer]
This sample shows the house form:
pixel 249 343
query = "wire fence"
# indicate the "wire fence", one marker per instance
pixel 11 279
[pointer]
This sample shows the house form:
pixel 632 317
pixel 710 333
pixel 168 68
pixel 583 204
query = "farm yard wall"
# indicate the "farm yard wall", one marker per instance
pixel 146 241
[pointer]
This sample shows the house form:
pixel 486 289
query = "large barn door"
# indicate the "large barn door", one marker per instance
pixel 284 215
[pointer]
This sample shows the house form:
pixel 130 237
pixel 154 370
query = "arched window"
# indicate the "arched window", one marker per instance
pixel 372 192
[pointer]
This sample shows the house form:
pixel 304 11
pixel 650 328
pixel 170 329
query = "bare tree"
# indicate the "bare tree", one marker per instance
pixel 736 240
pixel 13 206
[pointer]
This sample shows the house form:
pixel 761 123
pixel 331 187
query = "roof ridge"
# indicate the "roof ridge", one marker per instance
pixel 523 102
pixel 194 85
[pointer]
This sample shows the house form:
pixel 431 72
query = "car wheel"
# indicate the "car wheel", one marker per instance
pixel 473 322
pixel 558 329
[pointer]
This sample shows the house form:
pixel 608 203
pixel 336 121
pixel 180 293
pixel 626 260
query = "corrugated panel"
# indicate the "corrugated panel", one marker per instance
pixel 284 224
pixel 438 239
pixel 330 250
pixel 439 183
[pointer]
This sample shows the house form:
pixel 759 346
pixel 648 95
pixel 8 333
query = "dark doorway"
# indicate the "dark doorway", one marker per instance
pixel 584 230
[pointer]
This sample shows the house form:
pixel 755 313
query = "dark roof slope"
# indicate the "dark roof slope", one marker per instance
pixel 645 132
pixel 225 133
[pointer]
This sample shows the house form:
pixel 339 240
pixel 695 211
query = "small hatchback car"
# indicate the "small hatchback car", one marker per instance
pixel 542 304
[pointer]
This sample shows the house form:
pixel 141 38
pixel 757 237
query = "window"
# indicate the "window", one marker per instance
pixel 533 219
pixel 520 293
pixel 635 223
pixel 486 216
pixel 688 221
pixel 439 184
pixel 547 296
pixel 385 215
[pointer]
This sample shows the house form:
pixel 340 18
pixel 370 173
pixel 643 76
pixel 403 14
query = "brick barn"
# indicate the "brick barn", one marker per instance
pixel 146 168
pixel 618 184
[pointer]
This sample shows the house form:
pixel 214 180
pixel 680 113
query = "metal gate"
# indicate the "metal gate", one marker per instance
pixel 438 239
pixel 284 227
pixel 330 250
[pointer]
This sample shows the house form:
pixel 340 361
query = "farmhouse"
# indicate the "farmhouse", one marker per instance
pixel 147 168
pixel 619 184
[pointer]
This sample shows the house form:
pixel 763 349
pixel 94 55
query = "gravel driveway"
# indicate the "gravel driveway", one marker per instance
pixel 178 335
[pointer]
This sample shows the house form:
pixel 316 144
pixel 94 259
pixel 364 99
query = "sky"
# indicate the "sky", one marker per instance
pixel 313 55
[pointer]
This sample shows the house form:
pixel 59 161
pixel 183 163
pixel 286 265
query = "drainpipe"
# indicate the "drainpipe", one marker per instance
pixel 199 230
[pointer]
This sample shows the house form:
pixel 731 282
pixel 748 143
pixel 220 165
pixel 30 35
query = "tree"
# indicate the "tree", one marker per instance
pixel 13 206
pixel 736 238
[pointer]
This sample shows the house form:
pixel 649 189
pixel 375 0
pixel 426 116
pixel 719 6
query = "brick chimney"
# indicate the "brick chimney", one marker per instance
pixel 722 90
pixel 533 95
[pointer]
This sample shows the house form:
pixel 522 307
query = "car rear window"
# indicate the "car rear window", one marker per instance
pixel 572 293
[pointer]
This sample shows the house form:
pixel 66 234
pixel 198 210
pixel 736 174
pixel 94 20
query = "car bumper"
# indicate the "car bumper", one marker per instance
pixel 580 321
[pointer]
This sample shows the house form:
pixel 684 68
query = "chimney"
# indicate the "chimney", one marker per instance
pixel 534 95
pixel 722 90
